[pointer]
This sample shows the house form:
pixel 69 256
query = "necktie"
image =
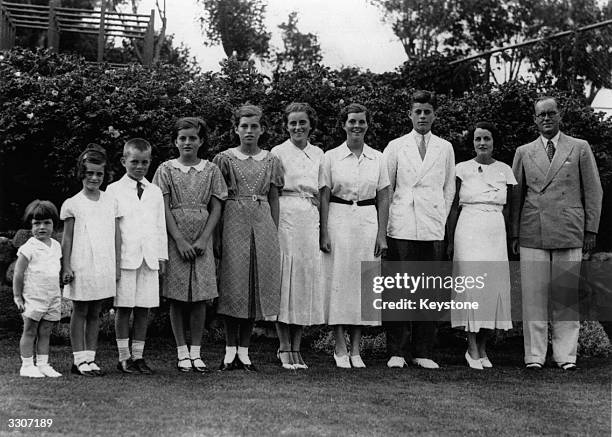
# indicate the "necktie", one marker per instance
pixel 139 189
pixel 422 147
pixel 550 150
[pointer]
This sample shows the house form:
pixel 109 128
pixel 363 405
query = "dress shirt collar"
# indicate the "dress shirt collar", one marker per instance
pixel 308 150
pixel 367 151
pixel 185 168
pixel 126 180
pixel 417 137
pixel 554 139
pixel 242 156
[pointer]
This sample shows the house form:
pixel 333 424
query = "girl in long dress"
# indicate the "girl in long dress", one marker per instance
pixel 354 209
pixel 477 236
pixel 302 302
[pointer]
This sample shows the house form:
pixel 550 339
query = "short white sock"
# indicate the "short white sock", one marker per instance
pixel 243 354
pixel 79 357
pixel 137 349
pixel 29 361
pixel 194 352
pixel 182 352
pixel 230 354
pixel 42 360
pixel 90 356
pixel 123 346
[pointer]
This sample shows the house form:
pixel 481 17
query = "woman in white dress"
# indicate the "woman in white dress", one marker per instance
pixel 353 187
pixel 302 302
pixel 477 235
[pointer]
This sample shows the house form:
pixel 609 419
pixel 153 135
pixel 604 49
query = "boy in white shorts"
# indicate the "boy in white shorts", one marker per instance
pixel 144 250
pixel 36 288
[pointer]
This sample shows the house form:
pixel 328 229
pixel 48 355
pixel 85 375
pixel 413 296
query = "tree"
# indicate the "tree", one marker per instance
pixel 300 49
pixel 238 25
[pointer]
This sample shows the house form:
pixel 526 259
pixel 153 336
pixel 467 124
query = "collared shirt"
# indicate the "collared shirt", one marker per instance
pixel 423 189
pixel 353 178
pixel 142 225
pixel 554 139
pixel 41 277
pixel 301 167
pixel 185 168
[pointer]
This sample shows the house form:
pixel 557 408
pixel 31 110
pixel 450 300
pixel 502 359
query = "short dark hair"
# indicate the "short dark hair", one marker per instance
pixel 352 108
pixel 191 123
pixel 301 107
pixel 93 154
pixel 422 96
pixel 248 110
pixel 139 144
pixel 544 98
pixel 488 126
pixel 40 210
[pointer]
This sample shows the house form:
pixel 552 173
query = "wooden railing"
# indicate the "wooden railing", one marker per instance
pixel 56 20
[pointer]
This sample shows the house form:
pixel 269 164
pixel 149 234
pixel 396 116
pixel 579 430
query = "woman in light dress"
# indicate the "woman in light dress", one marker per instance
pixel 354 209
pixel 302 298
pixel 477 236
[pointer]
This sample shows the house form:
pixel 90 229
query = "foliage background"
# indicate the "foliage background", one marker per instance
pixel 52 105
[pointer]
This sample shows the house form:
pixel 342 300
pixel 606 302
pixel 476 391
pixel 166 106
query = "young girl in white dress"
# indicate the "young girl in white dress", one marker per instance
pixel 90 256
pixel 36 288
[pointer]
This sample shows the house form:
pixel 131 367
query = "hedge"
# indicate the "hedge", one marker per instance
pixel 52 105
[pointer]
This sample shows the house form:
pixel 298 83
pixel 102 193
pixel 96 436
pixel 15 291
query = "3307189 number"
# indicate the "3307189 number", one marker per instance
pixel 30 423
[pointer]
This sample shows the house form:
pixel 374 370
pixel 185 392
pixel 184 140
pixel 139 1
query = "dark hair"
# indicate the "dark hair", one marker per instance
pixel 484 125
pixel 423 96
pixel 544 98
pixel 40 210
pixel 139 144
pixel 191 123
pixel 93 154
pixel 352 108
pixel 301 107
pixel 248 110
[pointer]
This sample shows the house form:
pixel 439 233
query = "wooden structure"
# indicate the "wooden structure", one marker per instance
pixel 56 20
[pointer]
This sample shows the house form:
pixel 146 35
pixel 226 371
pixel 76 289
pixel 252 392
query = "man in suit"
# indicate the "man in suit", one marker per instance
pixel 556 209
pixel 422 175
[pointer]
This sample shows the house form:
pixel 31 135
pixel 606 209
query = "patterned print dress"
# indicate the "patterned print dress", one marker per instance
pixel 249 280
pixel 190 190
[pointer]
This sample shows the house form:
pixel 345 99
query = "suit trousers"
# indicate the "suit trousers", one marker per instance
pixel 550 276
pixel 399 341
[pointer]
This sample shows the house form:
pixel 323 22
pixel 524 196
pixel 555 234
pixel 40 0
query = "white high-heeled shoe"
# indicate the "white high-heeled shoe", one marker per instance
pixel 473 363
pixel 342 361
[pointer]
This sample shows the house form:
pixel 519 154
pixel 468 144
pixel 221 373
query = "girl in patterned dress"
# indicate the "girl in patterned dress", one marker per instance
pixel 193 190
pixel 249 280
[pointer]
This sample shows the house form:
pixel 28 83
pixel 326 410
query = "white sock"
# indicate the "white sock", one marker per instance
pixel 41 360
pixel 230 354
pixel 194 352
pixel 182 352
pixel 29 361
pixel 243 354
pixel 123 346
pixel 79 357
pixel 137 349
pixel 90 356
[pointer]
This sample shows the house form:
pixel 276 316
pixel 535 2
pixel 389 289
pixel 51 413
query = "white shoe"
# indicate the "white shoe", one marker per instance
pixel 49 371
pixel 357 362
pixel 397 362
pixel 486 363
pixel 425 363
pixel 473 363
pixel 342 362
pixel 30 372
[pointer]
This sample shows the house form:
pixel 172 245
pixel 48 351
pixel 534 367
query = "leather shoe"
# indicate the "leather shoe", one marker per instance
pixel 425 363
pixel 142 367
pixel 473 363
pixel 396 362
pixel 199 366
pixel 226 367
pixel 82 369
pixel 248 367
pixel 127 366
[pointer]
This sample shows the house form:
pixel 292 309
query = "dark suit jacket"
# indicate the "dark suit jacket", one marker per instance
pixel 555 202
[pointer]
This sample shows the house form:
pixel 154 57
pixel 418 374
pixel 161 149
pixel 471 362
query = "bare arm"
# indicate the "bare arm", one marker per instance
pixel 20 266
pixel 451 223
pixel 185 249
pixel 117 249
pixel 273 201
pixel 517 198
pixel 324 241
pixel 382 210
pixel 67 273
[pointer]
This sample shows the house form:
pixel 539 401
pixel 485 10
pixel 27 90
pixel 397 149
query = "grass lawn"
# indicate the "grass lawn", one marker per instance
pixel 323 400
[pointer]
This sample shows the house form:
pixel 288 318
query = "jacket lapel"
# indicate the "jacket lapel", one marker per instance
pixel 538 156
pixel 431 157
pixel 564 148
